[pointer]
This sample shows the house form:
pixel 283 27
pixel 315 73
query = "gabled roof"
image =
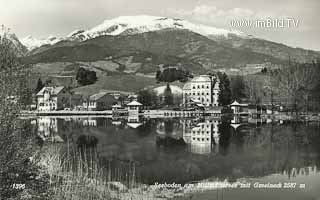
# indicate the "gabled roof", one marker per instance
pixel 52 90
pixel 97 96
pixel 134 103
pixel 235 103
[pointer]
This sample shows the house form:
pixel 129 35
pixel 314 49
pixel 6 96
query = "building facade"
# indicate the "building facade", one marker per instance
pixel 100 101
pixel 203 89
pixel 53 98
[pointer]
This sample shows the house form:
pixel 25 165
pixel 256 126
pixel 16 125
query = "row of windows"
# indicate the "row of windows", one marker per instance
pixel 198 93
pixel 47 104
pixel 202 86
pixel 194 132
pixel 200 139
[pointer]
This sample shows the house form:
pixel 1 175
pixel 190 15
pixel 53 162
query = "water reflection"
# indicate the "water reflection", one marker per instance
pixel 183 150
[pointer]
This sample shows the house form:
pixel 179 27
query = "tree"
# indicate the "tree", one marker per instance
pixel 253 89
pixel 168 96
pixel 296 81
pixel 147 98
pixel 237 87
pixel 40 85
pixel 171 74
pixel 16 136
pixel 225 91
pixel 86 77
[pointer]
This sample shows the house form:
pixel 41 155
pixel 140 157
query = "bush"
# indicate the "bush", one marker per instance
pixel 86 77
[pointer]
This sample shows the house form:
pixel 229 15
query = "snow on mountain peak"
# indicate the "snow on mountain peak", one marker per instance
pixel 33 43
pixel 145 23
pixel 131 25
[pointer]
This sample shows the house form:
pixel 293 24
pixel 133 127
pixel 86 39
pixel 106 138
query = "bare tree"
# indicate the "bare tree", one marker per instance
pixel 296 81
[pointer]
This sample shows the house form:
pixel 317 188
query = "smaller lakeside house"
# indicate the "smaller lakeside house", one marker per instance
pixel 53 98
pixel 100 101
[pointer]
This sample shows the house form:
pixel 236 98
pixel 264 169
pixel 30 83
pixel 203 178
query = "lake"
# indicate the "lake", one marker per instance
pixel 188 150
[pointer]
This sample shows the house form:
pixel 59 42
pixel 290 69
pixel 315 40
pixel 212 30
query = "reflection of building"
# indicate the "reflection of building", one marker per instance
pixel 203 89
pixel 202 137
pixel 53 98
pixel 48 129
pixel 134 121
pixel 89 122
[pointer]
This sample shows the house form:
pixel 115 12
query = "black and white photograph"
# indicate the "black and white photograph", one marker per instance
pixel 159 100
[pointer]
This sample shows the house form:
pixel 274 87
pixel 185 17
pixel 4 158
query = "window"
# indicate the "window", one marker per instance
pixel 202 86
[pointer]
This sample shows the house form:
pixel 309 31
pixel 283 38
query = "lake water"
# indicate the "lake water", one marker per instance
pixel 211 149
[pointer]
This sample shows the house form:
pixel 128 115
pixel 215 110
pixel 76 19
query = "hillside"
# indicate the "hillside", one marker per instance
pixel 151 49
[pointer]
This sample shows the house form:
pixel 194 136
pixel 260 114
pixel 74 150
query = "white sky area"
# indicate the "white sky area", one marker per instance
pixel 42 18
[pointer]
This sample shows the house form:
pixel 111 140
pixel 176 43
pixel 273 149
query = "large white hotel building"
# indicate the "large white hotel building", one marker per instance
pixel 203 89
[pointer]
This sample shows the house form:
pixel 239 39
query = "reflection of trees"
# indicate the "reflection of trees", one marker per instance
pixel 168 127
pixel 225 136
pixel 146 128
pixel 87 142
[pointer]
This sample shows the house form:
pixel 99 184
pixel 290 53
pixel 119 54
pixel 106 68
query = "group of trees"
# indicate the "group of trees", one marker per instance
pixel 225 95
pixel 295 86
pixel 297 83
pixel 16 144
pixel 171 74
pixel 147 97
pixel 86 77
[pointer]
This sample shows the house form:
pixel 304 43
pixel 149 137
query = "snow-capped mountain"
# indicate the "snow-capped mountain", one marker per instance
pixel 144 23
pixel 129 25
pixel 21 49
pixel 33 43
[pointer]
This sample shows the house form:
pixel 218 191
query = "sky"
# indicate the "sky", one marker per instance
pixel 44 18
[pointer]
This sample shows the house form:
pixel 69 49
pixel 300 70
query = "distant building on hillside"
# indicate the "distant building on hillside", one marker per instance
pixel 100 101
pixel 53 98
pixel 202 89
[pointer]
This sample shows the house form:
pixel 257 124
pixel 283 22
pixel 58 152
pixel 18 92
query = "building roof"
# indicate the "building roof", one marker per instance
pixel 116 106
pixel 187 86
pixel 97 96
pixel 235 103
pixel 54 90
pixel 201 78
pixel 134 103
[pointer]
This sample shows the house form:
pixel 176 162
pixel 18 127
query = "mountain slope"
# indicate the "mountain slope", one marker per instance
pixel 274 49
pixel 17 45
pixel 129 25
pixel 170 46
